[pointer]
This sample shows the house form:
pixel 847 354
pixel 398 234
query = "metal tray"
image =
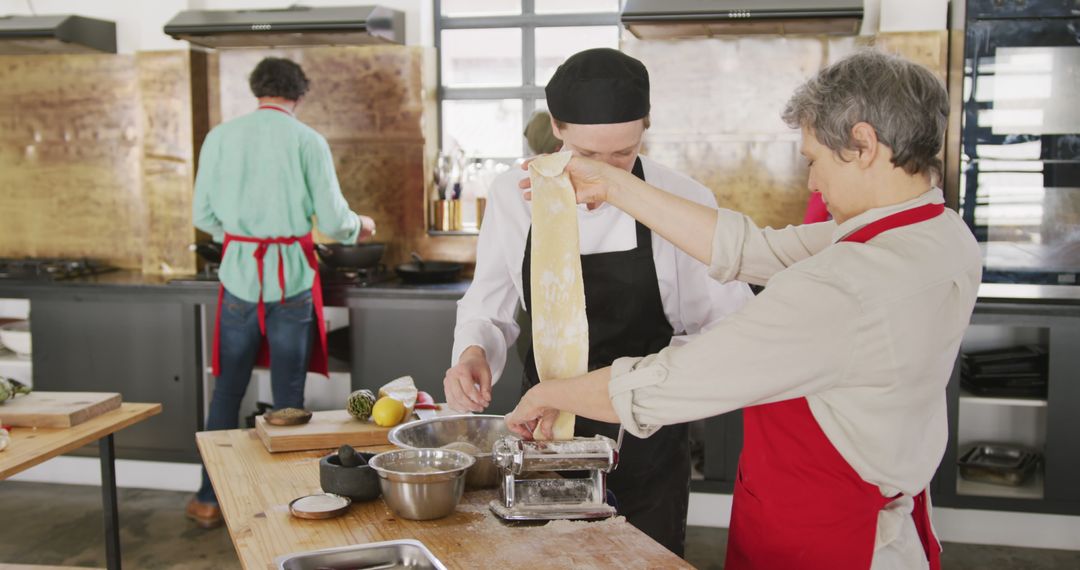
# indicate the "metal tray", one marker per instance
pixel 393 554
pixel 998 464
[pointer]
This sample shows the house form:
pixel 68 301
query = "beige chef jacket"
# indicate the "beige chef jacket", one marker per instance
pixel 868 333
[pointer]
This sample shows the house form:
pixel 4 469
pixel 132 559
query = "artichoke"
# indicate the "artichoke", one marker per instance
pixel 9 388
pixel 360 403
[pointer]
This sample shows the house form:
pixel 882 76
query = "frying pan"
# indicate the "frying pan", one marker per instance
pixel 351 256
pixel 210 251
pixel 419 271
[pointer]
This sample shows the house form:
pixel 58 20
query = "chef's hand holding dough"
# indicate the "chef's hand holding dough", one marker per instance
pixel 591 179
pixel 532 417
pixel 676 219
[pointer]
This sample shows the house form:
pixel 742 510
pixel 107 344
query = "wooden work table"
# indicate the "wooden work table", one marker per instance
pixel 255 487
pixel 31 446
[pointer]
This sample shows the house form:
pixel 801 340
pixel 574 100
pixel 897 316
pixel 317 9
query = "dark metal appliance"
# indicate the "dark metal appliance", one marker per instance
pixel 293 26
pixel 54 34
pixel 672 19
pixel 1020 141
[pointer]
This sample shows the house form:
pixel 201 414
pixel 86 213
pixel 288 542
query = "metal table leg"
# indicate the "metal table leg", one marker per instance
pixel 108 499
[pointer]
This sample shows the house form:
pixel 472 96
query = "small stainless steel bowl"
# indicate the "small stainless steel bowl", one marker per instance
pixel 481 430
pixel 422 484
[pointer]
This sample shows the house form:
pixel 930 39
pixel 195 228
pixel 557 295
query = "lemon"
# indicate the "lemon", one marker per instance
pixel 388 412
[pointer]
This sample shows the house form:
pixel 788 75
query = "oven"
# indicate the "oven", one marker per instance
pixel 1020 140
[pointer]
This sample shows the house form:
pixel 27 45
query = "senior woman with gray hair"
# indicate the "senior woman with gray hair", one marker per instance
pixel 841 363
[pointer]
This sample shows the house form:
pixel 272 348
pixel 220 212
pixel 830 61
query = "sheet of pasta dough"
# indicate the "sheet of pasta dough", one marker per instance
pixel 560 329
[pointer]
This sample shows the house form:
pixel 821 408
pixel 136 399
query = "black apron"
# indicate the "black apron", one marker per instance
pixel 626 318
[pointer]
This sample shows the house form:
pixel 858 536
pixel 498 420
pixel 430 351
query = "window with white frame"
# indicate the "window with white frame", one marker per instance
pixel 496 56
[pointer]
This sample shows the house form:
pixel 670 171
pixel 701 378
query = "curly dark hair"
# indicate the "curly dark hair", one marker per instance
pixel 278 77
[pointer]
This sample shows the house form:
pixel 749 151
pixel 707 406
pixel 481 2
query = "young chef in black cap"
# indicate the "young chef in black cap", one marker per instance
pixel 641 293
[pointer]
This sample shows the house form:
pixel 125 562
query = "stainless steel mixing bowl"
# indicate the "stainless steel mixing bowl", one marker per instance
pixel 481 430
pixel 422 484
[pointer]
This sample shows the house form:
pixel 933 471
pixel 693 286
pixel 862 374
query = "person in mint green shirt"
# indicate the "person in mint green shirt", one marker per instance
pixel 261 178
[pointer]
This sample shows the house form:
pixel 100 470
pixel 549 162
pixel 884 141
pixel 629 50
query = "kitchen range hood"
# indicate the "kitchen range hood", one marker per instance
pixel 295 26
pixel 29 35
pixel 672 19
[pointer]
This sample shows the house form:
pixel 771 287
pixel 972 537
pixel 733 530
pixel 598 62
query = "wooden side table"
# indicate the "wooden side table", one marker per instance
pixel 31 446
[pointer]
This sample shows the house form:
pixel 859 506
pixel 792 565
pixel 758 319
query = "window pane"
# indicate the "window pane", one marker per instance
pixel 483 128
pixel 453 8
pixel 481 58
pixel 579 6
pixel 554 45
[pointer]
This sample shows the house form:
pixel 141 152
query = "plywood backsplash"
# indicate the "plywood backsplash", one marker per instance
pixel 716 107
pixel 376 107
pixel 98 152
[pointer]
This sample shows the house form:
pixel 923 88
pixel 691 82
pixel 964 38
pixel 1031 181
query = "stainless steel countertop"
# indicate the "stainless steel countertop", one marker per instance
pixel 182 288
pixel 134 282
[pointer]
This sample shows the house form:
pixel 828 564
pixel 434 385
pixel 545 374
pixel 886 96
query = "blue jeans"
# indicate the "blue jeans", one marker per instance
pixel 290 327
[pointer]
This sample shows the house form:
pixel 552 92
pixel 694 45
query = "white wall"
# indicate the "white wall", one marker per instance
pixel 139 23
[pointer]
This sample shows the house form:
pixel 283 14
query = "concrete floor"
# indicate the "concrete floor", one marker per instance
pixel 62 525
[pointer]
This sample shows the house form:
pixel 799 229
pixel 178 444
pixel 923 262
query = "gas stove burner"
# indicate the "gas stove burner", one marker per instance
pixel 358 276
pixel 209 272
pixel 51 269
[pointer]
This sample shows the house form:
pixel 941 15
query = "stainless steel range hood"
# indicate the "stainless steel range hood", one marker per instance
pixel 30 35
pixel 296 26
pixel 671 19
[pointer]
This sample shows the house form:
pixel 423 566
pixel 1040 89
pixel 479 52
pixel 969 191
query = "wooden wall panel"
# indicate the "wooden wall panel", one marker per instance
pixel 716 107
pixel 925 48
pixel 96 159
pixel 167 160
pixel 70 147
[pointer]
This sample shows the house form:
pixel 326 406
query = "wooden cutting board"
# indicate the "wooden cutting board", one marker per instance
pixel 326 430
pixel 57 409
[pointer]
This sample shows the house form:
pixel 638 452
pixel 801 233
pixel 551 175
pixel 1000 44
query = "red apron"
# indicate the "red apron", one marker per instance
pixel 798 503
pixel 816 211
pixel 318 362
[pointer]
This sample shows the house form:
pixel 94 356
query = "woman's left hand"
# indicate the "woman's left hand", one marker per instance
pixel 530 413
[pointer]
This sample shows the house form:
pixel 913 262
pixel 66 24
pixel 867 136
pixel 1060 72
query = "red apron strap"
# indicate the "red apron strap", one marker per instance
pixel 260 257
pixel 215 359
pixel 921 514
pixel 320 355
pixel 319 362
pixel 897 220
pixel 275 108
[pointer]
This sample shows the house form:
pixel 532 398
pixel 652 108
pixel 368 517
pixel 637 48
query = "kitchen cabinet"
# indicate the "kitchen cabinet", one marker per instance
pixel 396 334
pixel 1048 425
pixel 144 347
pixel 718 440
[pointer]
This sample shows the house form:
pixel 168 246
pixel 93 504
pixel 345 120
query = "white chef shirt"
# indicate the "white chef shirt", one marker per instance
pixel 868 333
pixel 485 316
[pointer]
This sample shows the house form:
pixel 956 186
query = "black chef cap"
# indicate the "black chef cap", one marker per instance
pixel 599 86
